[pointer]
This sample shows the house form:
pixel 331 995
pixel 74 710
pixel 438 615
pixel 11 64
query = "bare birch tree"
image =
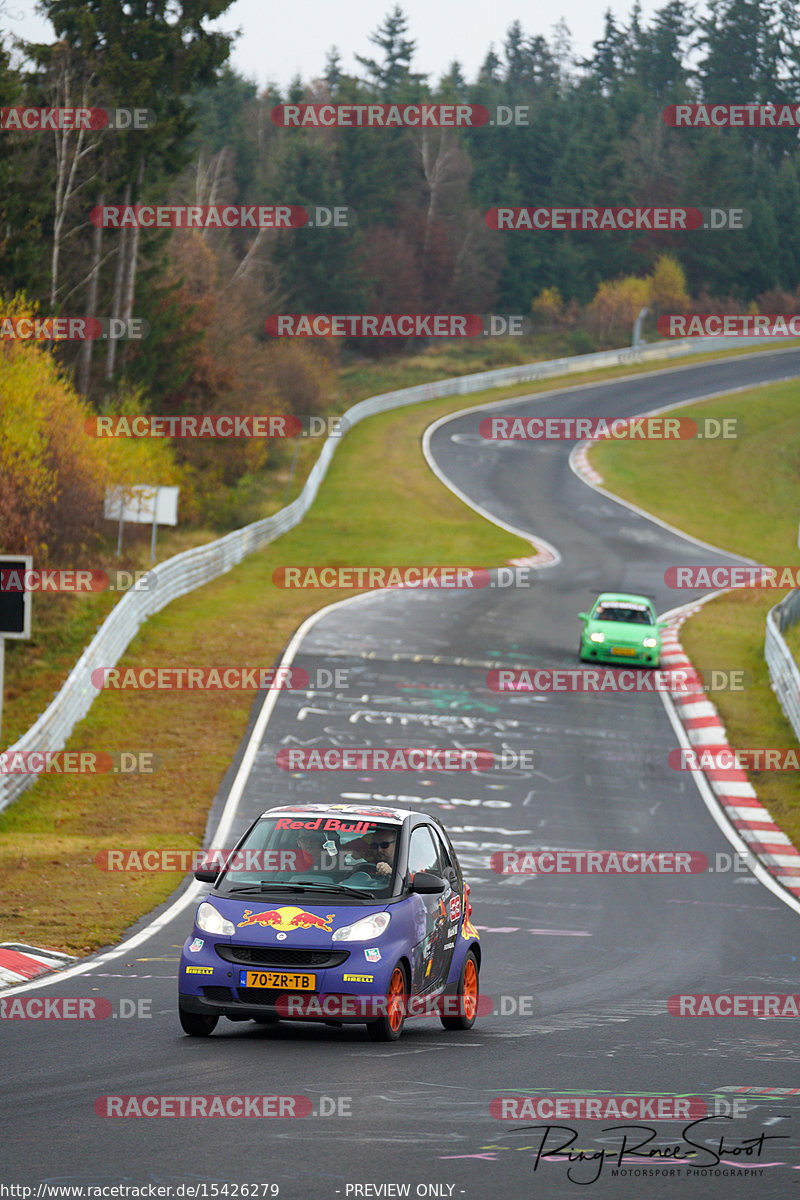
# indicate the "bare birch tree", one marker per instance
pixel 72 147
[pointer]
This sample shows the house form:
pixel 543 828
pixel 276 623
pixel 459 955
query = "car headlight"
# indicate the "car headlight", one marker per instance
pixel 211 921
pixel 597 637
pixel 364 930
pixel 650 643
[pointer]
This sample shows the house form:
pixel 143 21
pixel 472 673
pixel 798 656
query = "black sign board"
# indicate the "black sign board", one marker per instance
pixel 15 599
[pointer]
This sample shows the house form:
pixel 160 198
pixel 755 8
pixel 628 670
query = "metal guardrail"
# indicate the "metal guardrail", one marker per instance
pixel 784 673
pixel 184 572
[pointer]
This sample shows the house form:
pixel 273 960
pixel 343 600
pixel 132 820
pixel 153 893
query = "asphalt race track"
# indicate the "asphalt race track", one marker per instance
pixel 578 968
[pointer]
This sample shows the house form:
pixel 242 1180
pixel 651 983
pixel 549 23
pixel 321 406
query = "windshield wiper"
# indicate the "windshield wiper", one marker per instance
pixel 336 887
pixel 354 891
pixel 266 886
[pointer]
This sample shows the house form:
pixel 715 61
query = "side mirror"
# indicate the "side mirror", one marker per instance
pixel 583 616
pixel 427 884
pixel 206 876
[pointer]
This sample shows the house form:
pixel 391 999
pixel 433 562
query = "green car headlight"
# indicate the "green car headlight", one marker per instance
pixel 597 637
pixel 650 643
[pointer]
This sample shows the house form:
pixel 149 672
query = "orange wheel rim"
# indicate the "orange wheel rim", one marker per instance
pixel 470 990
pixel 396 999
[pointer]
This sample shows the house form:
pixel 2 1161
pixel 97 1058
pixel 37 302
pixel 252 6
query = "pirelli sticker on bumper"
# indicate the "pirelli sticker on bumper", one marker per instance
pixel 358 978
pixel 199 970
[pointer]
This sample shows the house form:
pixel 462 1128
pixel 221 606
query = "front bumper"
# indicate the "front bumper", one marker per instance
pixel 210 981
pixel 330 1008
pixel 352 991
pixel 641 657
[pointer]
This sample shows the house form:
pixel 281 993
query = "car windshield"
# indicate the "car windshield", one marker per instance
pixel 632 614
pixel 306 852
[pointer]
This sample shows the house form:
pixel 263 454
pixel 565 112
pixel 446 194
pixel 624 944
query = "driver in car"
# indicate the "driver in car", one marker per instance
pixel 377 849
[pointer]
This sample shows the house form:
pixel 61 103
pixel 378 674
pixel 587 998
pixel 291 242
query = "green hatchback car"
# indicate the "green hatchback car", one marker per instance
pixel 621 628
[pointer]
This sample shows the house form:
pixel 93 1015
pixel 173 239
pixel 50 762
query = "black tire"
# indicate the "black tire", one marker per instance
pixel 389 1025
pixel 196 1024
pixel 468 1003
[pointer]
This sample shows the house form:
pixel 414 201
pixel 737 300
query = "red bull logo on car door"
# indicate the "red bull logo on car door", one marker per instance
pixel 287 919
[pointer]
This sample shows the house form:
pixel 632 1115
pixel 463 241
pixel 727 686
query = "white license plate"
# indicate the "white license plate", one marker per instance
pixel 291 981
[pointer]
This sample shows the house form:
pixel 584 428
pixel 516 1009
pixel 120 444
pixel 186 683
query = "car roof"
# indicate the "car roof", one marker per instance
pixel 624 598
pixel 371 812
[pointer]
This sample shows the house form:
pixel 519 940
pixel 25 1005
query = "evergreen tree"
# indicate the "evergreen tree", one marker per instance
pixel 333 70
pixel 490 69
pixel 607 65
pixel 393 78
pixel 661 61
pixel 318 265
pixel 24 198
